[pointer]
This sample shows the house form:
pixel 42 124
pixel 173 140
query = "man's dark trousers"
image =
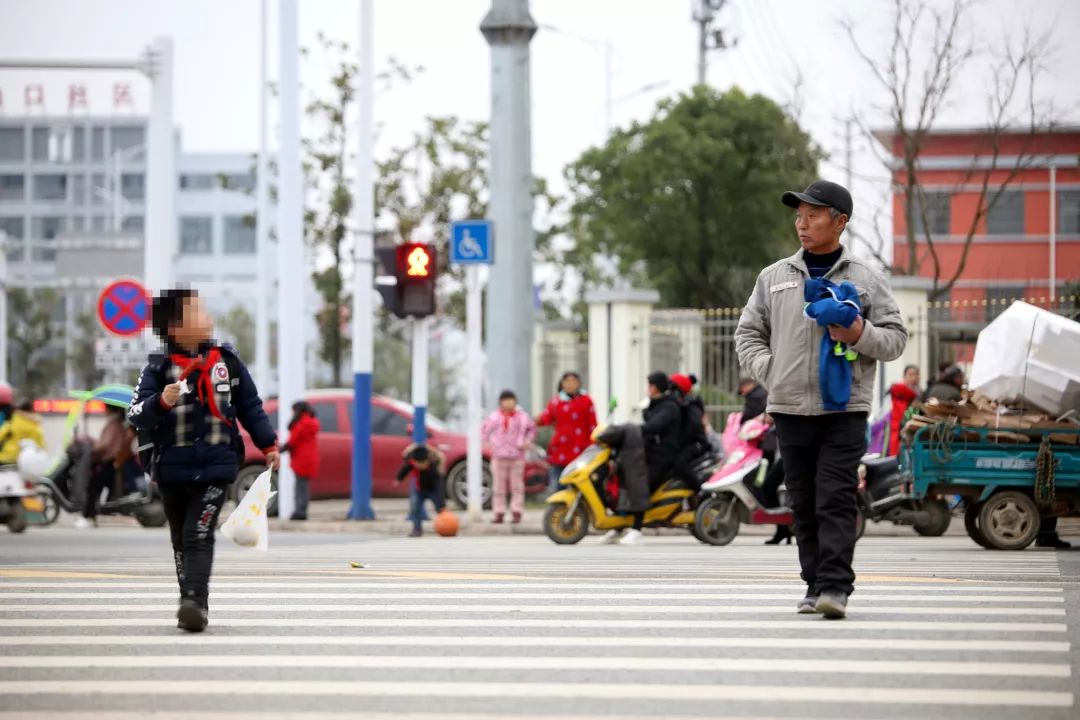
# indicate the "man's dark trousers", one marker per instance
pixel 821 455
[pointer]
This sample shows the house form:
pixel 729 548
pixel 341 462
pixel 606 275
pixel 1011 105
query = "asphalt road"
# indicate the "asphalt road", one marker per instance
pixel 492 627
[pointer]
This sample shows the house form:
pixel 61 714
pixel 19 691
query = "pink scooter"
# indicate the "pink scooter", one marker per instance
pixel 727 499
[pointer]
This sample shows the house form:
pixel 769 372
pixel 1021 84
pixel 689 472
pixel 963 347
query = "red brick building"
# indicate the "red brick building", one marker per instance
pixel 1010 255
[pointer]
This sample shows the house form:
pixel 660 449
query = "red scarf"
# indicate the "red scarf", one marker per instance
pixel 508 415
pixel 205 383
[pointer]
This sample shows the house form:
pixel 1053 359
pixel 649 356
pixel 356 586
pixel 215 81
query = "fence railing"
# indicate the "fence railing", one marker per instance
pixel 983 311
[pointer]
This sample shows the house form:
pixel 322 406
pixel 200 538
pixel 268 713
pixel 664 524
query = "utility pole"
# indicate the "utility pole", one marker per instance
pixel 364 271
pixel 509 28
pixel 290 226
pixel 709 38
pixel 262 226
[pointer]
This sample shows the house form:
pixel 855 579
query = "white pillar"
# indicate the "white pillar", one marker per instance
pixel 912 295
pixel 508 29
pixel 160 232
pixel 474 390
pixel 262 226
pixel 290 224
pixel 363 311
pixel 619 348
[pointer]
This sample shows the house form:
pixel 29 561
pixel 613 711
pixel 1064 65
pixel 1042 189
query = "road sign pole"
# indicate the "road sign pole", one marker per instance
pixel 473 361
pixel 363 309
pixel 420 328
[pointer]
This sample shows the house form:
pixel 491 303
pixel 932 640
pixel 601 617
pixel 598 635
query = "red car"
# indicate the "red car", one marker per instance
pixel 391 424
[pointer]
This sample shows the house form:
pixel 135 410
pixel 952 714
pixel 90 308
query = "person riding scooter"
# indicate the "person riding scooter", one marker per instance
pixel 110 456
pixel 694 443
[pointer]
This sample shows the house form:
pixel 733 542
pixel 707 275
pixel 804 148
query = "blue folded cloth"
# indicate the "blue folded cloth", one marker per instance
pixel 830 304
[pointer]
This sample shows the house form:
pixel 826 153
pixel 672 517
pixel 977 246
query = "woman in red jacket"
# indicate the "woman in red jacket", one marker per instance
pixel 303 448
pixel 903 394
pixel 572 413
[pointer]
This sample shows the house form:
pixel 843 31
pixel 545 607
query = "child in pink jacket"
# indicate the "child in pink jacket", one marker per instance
pixel 509 430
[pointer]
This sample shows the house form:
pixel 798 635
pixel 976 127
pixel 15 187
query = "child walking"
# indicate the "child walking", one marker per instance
pixel 303 446
pixel 424 464
pixel 189 399
pixel 510 431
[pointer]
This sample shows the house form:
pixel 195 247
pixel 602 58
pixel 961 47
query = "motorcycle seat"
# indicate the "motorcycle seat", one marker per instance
pixel 879 467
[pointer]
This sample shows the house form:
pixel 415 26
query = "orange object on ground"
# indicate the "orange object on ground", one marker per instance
pixel 446 524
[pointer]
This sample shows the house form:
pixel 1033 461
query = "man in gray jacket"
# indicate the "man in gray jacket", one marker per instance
pixel 780 348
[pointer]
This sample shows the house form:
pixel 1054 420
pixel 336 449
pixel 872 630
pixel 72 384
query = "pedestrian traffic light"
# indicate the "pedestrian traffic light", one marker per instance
pixel 415 270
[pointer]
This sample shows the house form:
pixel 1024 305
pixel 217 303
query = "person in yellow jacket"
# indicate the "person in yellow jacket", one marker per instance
pixel 23 425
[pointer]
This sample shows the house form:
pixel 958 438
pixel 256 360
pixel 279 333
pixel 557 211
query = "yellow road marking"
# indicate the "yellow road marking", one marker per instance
pixel 62 574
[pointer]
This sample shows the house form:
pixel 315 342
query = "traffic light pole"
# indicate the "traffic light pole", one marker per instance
pixel 363 306
pixel 475 381
pixel 420 329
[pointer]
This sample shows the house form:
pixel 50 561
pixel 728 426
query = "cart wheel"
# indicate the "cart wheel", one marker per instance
pixel 716 521
pixel 971 524
pixel 860 524
pixel 940 517
pixel 1009 520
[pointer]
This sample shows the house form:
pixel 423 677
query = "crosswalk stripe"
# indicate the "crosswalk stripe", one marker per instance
pixel 518 640
pixel 554 608
pixel 516 690
pixel 814 624
pixel 502 662
pixel 560 597
pixel 612 587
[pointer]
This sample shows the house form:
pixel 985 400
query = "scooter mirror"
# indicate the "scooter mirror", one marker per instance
pixel 612 404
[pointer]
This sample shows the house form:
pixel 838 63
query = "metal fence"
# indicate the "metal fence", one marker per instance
pixel 701 342
pixel 562 346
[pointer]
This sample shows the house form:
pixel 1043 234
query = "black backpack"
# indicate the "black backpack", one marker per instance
pixel 150 441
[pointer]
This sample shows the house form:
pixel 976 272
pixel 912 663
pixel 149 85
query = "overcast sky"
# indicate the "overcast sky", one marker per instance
pixel 654 41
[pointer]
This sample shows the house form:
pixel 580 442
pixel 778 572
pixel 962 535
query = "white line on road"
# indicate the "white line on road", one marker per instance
pixel 516 690
pixel 810 623
pixel 555 596
pixel 502 662
pixel 614 586
pixel 556 608
pixel 936 645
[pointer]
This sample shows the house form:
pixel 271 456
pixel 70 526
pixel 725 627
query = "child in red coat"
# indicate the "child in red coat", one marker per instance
pixel 903 394
pixel 572 413
pixel 303 448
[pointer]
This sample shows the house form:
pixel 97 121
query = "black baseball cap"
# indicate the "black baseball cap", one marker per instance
pixel 821 192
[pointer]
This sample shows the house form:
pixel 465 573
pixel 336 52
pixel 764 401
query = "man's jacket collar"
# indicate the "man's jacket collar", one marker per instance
pixel 799 263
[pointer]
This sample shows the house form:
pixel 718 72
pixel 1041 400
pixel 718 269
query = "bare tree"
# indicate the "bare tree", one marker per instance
pixel 930 50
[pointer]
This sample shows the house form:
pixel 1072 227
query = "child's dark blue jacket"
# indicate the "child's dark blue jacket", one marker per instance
pixel 191 443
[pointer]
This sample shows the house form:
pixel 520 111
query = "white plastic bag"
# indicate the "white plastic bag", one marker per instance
pixel 248 525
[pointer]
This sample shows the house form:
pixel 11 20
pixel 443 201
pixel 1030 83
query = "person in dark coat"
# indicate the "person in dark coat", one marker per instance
pixel 423 466
pixel 189 399
pixel 694 442
pixel 949 387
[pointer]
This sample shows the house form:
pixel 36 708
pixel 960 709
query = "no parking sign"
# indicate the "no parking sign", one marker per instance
pixel 124 308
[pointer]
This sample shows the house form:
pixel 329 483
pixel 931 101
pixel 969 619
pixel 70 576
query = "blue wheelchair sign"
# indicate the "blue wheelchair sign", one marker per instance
pixel 471 243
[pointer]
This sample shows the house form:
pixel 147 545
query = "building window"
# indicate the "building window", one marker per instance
pixel 51 144
pixel 47 228
pixel 196 236
pixel 78 223
pixel 14 227
pixel 78 145
pixel 50 187
pixel 12 144
pixel 133 186
pixel 99 189
pixel 12 187
pixel 1069 212
pixel 937 213
pixel 240 182
pixel 127 138
pixel 97 144
pixel 15 252
pixel 133 224
pixel 44 253
pixel 1007 215
pixel 39 144
pixel 239 235
pixel 98 223
pixel 78 189
pixel 197 181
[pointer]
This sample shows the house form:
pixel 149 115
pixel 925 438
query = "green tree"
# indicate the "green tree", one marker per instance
pixel 689 202
pixel 84 354
pixel 35 342
pixel 238 327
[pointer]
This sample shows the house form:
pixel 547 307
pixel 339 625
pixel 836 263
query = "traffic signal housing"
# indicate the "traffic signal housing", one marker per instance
pixel 410 290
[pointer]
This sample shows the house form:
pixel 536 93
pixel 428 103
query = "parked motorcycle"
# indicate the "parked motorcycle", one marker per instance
pixel 885 495
pixel 591 493
pixel 728 500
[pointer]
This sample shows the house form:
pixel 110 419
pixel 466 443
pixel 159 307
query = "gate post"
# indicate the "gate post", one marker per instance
pixel 619 348
pixel 912 295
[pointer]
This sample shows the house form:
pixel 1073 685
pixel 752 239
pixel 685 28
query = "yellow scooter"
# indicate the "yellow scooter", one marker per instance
pixel 583 501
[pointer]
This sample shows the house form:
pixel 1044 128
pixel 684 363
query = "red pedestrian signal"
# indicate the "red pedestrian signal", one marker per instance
pixel 415 271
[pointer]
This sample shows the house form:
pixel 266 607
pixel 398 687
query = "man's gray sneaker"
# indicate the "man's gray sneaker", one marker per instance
pixel 808 605
pixel 832 605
